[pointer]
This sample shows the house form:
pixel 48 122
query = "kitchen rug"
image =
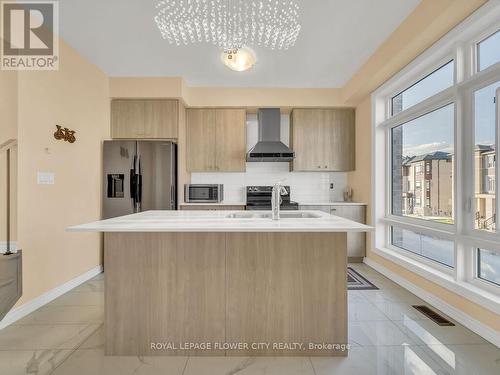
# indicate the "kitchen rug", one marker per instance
pixel 357 282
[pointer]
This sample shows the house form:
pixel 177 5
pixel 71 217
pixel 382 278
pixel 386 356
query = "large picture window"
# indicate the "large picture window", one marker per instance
pixel 422 154
pixel 436 128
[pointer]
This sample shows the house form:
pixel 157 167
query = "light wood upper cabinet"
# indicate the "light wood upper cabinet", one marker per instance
pixel 323 139
pixel 216 140
pixel 340 148
pixel 161 118
pixel 127 119
pixel 230 132
pixel 306 141
pixel 144 118
pixel 200 140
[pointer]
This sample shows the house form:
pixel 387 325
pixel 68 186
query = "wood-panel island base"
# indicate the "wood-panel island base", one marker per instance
pixel 165 291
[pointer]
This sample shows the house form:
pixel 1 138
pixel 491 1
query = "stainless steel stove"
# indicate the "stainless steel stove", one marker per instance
pixel 259 198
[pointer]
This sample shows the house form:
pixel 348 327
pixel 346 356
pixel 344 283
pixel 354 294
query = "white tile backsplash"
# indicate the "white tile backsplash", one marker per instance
pixel 305 186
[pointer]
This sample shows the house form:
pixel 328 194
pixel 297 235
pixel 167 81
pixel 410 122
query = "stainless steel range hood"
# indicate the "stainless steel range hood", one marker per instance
pixel 269 146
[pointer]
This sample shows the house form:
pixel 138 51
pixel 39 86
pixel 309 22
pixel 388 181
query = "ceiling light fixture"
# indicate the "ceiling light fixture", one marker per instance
pixel 239 61
pixel 230 24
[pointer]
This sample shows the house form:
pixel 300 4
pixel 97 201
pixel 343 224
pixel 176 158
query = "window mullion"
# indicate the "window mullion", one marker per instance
pixel 497 164
pixel 418 110
pixel 460 180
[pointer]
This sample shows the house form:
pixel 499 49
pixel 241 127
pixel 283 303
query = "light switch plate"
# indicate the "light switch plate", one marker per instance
pixel 45 178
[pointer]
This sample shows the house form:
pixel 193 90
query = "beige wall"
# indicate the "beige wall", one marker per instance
pixel 175 87
pixel 8 105
pixel 359 178
pixel 8 132
pixel 76 97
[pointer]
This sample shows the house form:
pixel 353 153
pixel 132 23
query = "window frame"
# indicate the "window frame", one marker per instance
pixel 446 100
pixel 469 142
pixel 420 258
pixel 476 264
pixel 473 275
pixel 443 62
pixel 490 31
pixel 461 45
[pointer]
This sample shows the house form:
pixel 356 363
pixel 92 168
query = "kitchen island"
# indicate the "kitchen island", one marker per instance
pixel 225 283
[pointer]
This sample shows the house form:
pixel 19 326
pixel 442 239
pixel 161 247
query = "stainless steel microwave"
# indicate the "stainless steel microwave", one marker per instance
pixel 203 193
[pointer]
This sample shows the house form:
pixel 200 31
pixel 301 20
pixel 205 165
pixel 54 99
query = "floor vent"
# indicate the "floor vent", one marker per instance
pixel 434 316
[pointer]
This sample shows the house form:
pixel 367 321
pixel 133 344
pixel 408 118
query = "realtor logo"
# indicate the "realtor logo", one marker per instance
pixel 29 35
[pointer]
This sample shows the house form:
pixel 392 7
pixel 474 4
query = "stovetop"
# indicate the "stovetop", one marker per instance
pixel 259 198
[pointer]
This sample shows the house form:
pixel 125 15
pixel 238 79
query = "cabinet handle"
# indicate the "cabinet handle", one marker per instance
pixel 326 166
pixel 319 166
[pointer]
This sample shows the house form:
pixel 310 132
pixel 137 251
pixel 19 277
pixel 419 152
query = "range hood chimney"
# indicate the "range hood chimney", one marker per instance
pixel 269 146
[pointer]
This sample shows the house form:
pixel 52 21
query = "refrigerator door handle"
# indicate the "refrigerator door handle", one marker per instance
pixel 172 200
pixel 139 183
pixel 133 191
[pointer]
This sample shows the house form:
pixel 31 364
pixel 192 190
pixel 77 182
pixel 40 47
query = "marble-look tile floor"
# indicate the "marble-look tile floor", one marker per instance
pixel 387 336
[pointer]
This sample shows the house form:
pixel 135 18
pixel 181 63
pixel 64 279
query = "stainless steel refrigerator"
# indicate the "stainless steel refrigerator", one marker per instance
pixel 139 176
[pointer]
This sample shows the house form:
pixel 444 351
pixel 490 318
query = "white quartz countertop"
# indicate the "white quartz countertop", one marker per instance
pixel 223 203
pixel 220 221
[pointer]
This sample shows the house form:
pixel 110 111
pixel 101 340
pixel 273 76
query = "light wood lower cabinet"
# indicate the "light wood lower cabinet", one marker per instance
pixel 216 140
pixel 323 139
pixel 221 288
pixel 356 242
pixel 145 118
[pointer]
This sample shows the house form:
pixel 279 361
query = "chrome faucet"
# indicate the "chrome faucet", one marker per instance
pixel 278 191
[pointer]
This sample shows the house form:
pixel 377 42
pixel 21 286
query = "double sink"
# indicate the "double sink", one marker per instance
pixel 268 215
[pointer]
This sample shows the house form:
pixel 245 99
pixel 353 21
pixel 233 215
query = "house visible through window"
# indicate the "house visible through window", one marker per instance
pixel 427 140
pixel 485 134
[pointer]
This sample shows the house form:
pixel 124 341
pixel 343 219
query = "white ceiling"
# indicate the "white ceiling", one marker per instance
pixel 337 37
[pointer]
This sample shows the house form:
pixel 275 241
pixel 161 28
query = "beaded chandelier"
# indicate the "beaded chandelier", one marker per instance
pixel 229 24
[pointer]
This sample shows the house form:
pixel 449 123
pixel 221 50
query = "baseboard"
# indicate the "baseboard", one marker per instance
pixel 30 306
pixel 474 325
